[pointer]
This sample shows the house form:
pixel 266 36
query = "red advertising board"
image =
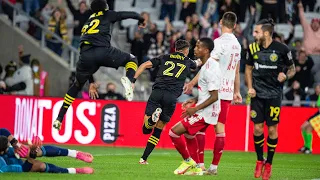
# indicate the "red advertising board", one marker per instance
pixel 119 123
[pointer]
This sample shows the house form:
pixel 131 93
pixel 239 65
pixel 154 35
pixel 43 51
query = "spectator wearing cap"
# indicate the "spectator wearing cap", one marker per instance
pixel 80 17
pixel 22 79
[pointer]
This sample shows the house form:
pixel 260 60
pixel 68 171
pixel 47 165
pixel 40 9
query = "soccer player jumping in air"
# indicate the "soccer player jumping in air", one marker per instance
pixel 227 52
pixel 205 112
pixel 266 63
pixel 96 51
pixel 173 71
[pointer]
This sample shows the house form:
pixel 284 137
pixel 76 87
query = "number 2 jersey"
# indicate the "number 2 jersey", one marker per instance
pixel 98 28
pixel 173 71
pixel 227 50
pixel 268 63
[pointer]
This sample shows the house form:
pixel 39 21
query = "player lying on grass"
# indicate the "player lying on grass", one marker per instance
pixel 173 71
pixel 49 151
pixel 10 163
pixel 205 112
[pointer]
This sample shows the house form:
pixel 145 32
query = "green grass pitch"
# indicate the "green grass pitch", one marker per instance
pixel 122 163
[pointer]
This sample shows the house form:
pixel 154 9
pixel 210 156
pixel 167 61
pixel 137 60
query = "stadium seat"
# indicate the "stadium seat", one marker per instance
pixel 161 24
pixel 310 15
pixel 298 31
pixel 283 29
pixel 178 25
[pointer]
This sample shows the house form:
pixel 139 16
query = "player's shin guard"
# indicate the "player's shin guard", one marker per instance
pixel 201 139
pixel 50 168
pixel 308 141
pixel 272 144
pixel 258 145
pixel 179 145
pixel 131 68
pixel 68 99
pixel 218 148
pixel 52 151
pixel 152 142
pixel 192 145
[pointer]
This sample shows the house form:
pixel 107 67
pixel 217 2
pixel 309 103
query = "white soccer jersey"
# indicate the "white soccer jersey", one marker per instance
pixel 227 51
pixel 209 80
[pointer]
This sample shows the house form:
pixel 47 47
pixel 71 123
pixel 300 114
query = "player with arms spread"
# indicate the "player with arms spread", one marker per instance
pixel 205 113
pixel 173 71
pixel 227 52
pixel 265 66
pixel 96 51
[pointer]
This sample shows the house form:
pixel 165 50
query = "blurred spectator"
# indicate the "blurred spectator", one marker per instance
pixel 244 5
pixel 270 9
pixel 210 9
pixel 111 4
pixel 58 25
pixel 160 46
pixel 309 3
pixel 10 69
pixel 40 79
pixel 111 93
pixel 31 6
pixel 188 8
pixel 291 11
pixel 79 19
pixel 316 96
pixel 228 5
pixel 168 8
pixel 295 94
pixel 280 37
pixel 136 45
pixel 311 40
pixel 150 37
pixel 189 37
pixel 214 32
pixel 303 74
pixel 22 79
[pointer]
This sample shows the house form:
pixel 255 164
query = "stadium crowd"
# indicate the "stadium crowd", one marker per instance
pixel 153 41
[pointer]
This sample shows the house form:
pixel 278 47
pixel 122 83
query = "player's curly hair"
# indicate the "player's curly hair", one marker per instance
pixel 3 143
pixel 181 45
pixel 98 5
pixel 267 25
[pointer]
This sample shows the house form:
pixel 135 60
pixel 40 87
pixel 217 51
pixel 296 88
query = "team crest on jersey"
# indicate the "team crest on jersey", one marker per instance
pixel 253 114
pixel 273 57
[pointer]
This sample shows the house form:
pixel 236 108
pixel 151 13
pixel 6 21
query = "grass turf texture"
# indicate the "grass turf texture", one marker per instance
pixel 122 163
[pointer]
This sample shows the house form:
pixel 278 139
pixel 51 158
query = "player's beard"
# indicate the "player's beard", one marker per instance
pixel 261 40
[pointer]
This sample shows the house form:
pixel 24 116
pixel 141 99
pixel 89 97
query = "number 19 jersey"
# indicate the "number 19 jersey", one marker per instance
pixel 227 51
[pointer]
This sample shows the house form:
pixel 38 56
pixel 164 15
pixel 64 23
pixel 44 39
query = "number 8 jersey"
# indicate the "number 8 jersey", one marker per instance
pixel 227 51
pixel 173 71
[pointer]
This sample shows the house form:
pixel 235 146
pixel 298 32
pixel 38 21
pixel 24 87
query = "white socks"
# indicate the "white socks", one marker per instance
pixel 72 153
pixel 213 167
pixel 71 170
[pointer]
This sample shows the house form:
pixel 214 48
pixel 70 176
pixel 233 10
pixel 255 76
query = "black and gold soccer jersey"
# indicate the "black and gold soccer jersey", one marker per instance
pixel 268 63
pixel 173 71
pixel 98 28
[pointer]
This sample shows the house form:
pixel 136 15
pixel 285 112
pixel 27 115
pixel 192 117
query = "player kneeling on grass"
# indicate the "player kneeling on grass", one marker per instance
pixel 205 112
pixel 173 71
pixel 22 150
pixel 9 162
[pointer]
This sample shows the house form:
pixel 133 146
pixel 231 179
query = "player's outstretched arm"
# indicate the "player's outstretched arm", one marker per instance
pixel 122 15
pixel 187 88
pixel 142 67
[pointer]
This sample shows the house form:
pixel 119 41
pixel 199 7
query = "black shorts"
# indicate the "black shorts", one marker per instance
pixel 265 110
pixel 163 99
pixel 314 115
pixel 92 57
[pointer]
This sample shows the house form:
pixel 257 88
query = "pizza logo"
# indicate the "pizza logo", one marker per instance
pixel 253 114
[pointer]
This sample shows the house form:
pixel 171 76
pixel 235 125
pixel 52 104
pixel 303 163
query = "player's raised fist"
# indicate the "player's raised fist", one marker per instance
pixel 282 77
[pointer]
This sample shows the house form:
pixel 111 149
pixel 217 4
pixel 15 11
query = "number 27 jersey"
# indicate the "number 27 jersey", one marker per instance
pixel 173 71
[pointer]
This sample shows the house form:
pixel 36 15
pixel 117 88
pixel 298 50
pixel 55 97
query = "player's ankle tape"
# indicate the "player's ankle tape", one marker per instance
pixel 13 141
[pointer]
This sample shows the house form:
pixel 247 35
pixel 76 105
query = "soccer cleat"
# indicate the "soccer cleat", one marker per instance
pixel 203 168
pixel 307 151
pixel 267 171
pixel 142 161
pixel 194 171
pixel 185 165
pixel 156 115
pixel 85 170
pixel 128 88
pixel 86 157
pixel 259 168
pixel 211 172
pixel 302 149
pixel 57 125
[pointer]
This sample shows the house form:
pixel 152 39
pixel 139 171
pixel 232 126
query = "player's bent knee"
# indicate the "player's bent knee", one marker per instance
pixel 273 130
pixel 258 129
